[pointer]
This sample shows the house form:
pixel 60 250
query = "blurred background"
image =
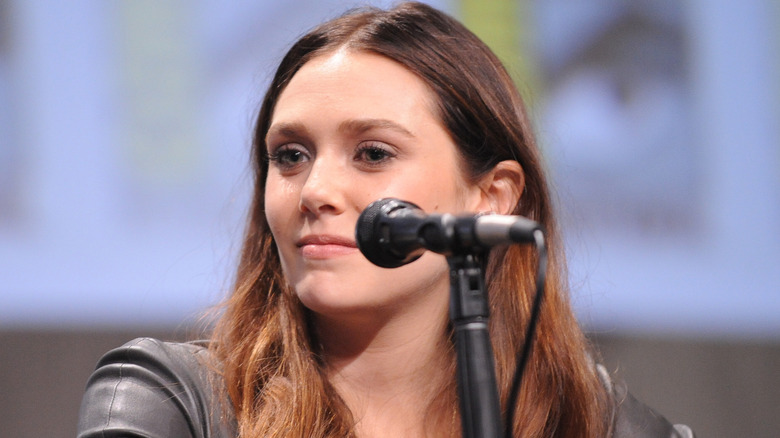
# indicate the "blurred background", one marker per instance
pixel 125 127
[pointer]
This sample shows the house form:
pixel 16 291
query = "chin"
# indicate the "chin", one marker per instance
pixel 341 310
pixel 327 299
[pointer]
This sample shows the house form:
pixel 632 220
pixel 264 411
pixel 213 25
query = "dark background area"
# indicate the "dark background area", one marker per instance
pixel 720 389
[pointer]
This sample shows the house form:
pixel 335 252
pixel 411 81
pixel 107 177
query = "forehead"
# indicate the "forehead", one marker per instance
pixel 345 81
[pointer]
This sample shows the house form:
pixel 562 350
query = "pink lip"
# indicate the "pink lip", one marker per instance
pixel 323 246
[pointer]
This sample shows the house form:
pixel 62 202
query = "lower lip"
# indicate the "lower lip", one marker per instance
pixel 326 251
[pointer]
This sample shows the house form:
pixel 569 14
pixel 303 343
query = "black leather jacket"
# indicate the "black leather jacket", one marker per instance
pixel 150 388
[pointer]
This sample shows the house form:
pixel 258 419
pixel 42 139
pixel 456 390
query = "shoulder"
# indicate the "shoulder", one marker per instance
pixel 153 388
pixel 634 419
pixel 189 358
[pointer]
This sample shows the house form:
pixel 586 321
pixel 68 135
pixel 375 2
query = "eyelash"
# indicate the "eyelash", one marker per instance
pixel 367 148
pixel 282 155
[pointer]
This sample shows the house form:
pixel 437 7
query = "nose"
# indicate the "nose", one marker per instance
pixel 322 192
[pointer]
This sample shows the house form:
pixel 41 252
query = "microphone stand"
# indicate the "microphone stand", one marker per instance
pixel 476 374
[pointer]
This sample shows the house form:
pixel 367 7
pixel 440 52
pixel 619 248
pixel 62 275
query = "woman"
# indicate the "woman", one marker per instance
pixel 317 341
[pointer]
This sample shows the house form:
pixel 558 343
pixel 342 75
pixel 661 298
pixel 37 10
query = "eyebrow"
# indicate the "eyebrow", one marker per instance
pixel 286 129
pixel 359 126
pixel 352 126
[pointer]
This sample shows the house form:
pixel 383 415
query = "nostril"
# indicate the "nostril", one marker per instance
pixel 317 199
pixel 323 191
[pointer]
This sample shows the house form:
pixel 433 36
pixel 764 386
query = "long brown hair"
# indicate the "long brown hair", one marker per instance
pixel 275 381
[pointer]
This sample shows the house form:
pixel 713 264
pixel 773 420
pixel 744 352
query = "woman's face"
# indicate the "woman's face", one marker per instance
pixel 351 128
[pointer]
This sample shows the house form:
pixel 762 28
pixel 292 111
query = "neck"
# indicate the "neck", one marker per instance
pixel 388 369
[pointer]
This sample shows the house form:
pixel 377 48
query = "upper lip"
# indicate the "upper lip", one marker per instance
pixel 326 239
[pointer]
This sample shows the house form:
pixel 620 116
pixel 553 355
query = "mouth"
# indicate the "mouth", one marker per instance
pixel 325 246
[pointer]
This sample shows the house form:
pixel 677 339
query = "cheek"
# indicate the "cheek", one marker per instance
pixel 439 189
pixel 281 197
pixel 278 212
pixel 270 209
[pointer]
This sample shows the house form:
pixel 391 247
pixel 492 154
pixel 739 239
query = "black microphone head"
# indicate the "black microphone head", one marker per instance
pixel 375 233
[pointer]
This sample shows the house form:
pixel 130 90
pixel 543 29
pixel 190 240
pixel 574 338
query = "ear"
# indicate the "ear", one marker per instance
pixel 501 187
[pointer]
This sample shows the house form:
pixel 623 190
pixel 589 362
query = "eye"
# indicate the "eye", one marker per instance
pixel 288 156
pixel 374 153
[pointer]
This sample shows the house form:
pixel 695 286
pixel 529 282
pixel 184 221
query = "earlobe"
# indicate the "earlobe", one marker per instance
pixel 501 187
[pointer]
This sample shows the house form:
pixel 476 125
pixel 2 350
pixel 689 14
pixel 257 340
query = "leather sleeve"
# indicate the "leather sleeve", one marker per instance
pixel 154 389
pixel 633 419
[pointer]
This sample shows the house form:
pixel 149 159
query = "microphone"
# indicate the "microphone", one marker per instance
pixel 391 232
